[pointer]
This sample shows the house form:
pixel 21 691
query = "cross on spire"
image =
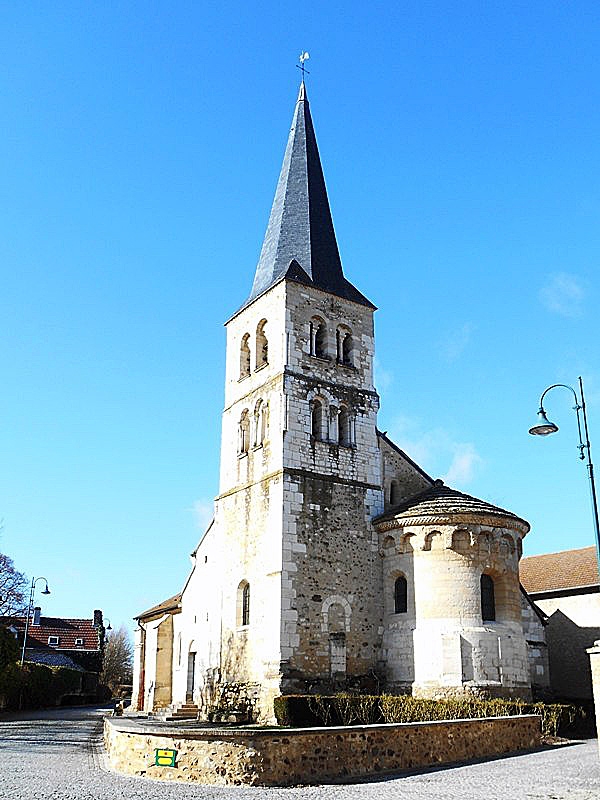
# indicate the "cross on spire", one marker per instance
pixel 304 56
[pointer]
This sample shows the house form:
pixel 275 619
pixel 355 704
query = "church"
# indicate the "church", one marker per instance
pixel 333 562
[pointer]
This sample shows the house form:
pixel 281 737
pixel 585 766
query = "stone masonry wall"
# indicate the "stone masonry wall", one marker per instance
pixel 308 756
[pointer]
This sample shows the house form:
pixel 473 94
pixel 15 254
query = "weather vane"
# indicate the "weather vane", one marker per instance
pixel 303 57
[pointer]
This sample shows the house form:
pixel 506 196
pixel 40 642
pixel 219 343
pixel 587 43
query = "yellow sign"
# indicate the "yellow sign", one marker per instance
pixel 164 758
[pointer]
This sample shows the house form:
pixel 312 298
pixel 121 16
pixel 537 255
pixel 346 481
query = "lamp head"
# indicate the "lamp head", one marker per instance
pixel 45 590
pixel 544 426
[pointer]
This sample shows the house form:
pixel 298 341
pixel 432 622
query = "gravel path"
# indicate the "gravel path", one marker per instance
pixel 59 754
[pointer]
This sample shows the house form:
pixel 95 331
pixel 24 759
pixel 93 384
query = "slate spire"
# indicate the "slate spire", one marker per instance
pixel 300 241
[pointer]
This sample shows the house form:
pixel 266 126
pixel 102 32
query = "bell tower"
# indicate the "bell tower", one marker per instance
pixel 300 468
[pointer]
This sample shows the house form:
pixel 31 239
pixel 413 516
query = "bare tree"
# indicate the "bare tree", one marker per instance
pixel 117 664
pixel 13 589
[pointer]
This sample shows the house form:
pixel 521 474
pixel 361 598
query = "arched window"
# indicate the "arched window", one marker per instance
pixel 257 425
pixel 263 421
pixel 243 604
pixel 245 356
pixel 317 418
pixel 400 595
pixel 394 493
pixel 488 601
pixel 345 347
pixel 262 345
pixel 244 432
pixel 344 427
pixel 318 338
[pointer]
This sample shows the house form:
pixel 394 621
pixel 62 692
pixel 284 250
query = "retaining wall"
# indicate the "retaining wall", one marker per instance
pixel 288 756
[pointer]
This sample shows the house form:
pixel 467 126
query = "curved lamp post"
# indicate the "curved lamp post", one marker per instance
pixel 544 427
pixel 45 590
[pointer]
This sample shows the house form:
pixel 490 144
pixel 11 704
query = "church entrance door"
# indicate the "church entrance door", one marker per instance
pixel 191 675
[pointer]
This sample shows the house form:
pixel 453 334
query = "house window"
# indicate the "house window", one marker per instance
pixel 245 356
pixel 243 604
pixel 78 642
pixel 53 641
pixel 400 595
pixel 262 345
pixel 488 601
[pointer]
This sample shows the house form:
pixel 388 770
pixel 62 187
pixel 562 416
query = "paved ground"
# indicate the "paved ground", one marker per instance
pixel 58 754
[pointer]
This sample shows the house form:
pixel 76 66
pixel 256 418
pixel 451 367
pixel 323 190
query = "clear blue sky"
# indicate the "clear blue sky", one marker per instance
pixel 141 144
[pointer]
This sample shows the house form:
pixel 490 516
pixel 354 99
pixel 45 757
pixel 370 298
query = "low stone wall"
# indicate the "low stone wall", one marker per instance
pixel 280 757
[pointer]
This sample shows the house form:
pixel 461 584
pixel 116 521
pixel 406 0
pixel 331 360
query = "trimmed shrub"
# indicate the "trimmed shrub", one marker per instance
pixel 347 709
pixel 36 686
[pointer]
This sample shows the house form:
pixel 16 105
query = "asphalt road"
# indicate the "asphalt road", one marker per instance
pixel 59 754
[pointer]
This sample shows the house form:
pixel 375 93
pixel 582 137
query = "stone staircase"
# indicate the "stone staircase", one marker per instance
pixel 179 712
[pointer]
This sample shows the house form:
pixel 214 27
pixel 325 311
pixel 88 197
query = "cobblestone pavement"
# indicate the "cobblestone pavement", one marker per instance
pixel 58 754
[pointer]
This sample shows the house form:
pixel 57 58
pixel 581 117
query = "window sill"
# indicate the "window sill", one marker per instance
pixel 242 455
pixel 325 359
pixel 262 366
pixel 243 378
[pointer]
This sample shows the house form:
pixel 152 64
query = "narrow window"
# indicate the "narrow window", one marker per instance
pixel 394 493
pixel 257 423
pixel 244 433
pixel 344 347
pixel 320 341
pixel 488 602
pixel 344 423
pixel 263 421
pixel 245 356
pixel 243 604
pixel 400 595
pixel 53 641
pixel 262 345
pixel 317 419
pixel 347 347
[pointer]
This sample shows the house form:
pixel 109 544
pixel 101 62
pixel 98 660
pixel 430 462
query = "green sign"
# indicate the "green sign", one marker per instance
pixel 164 757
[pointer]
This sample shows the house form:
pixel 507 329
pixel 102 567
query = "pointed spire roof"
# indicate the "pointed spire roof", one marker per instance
pixel 300 241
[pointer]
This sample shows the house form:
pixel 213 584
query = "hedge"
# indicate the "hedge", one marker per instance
pixel 348 709
pixel 36 686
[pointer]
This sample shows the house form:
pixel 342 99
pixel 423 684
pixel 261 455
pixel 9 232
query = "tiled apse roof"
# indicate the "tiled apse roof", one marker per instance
pixel 442 501
pixel 553 571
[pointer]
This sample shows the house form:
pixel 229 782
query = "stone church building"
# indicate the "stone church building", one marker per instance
pixel 333 560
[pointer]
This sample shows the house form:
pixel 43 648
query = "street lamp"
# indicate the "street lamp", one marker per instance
pixel 545 427
pixel 45 590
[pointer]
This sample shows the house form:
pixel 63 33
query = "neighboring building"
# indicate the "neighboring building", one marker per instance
pixel 566 587
pixel 333 560
pixel 74 643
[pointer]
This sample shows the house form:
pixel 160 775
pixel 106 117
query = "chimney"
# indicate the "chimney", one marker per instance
pixel 37 613
pixel 98 622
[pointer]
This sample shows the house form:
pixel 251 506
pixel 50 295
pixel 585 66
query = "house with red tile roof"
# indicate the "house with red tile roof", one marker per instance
pixel 566 587
pixel 74 643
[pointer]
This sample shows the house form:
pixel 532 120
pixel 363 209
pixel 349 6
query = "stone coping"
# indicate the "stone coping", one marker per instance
pixel 298 756
pixel 148 727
